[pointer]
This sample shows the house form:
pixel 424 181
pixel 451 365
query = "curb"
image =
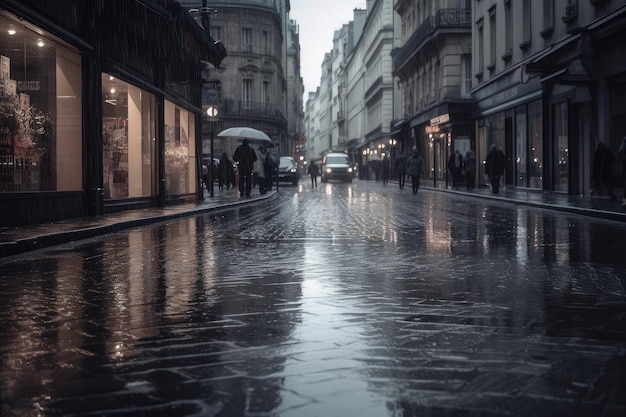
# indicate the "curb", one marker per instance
pixel 46 240
pixel 581 211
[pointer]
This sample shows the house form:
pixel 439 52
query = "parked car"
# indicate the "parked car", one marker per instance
pixel 336 166
pixel 288 170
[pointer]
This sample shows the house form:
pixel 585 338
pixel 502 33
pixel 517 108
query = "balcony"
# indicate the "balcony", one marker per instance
pixel 571 12
pixel 448 20
pixel 250 109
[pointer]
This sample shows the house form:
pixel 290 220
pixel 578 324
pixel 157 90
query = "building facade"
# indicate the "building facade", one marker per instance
pixel 375 45
pixel 548 86
pixel 356 93
pixel 98 113
pixel 259 83
pixel 433 68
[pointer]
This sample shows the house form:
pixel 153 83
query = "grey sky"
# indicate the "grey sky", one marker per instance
pixel 318 21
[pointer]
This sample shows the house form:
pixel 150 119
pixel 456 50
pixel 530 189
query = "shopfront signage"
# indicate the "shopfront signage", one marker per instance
pixel 439 120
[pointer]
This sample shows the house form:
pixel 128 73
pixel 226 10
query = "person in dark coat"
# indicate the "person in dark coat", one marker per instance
pixel 494 167
pixel 603 169
pixel 245 156
pixel 314 172
pixel 401 169
pixel 455 166
pixel 385 167
pixel 415 166
pixel 227 172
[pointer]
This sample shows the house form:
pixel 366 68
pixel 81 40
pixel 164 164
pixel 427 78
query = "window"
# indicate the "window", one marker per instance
pixel 266 43
pixel 480 58
pixel 492 39
pixel 548 15
pixel 246 93
pixel 508 34
pixel 180 156
pixel 521 148
pixel 266 92
pixel 561 147
pixel 40 111
pixel 246 40
pixel 526 24
pixel 128 145
pixel 535 142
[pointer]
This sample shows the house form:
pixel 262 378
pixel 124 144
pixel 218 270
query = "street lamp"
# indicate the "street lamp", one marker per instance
pixel 392 156
pixel 211 112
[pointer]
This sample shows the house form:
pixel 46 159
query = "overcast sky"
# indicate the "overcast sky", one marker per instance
pixel 318 20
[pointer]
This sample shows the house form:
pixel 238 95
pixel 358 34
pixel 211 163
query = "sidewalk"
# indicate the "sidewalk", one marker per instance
pixel 600 207
pixel 14 241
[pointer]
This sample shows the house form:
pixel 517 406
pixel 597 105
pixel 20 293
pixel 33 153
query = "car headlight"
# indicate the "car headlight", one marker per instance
pixel 293 170
pixel 328 170
pixel 350 169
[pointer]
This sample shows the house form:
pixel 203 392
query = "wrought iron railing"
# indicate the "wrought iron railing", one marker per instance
pixel 444 19
pixel 255 109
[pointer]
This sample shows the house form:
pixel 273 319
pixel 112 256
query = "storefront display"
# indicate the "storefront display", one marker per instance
pixel 40 111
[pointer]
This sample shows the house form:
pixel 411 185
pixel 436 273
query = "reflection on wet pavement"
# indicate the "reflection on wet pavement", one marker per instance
pixel 351 299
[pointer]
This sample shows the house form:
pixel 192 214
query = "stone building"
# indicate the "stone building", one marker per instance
pixel 260 83
pixel 433 67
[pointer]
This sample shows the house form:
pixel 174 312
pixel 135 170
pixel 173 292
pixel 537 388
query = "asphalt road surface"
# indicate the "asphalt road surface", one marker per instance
pixel 345 300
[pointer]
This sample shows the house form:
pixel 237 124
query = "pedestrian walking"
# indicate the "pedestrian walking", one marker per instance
pixel 603 169
pixel 262 169
pixel 386 167
pixel 455 166
pixel 245 156
pixel 470 169
pixel 314 172
pixel 227 172
pixel 494 167
pixel 400 164
pixel 415 166
pixel 622 155
pixel 376 167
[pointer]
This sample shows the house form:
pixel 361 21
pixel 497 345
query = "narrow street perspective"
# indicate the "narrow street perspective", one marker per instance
pixel 349 299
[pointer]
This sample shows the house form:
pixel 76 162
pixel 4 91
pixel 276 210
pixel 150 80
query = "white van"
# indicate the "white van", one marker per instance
pixel 336 166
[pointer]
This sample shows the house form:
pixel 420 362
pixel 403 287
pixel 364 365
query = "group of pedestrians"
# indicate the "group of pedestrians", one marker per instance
pixel 252 166
pixel 411 164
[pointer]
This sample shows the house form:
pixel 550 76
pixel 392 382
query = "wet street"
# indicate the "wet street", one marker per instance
pixel 346 300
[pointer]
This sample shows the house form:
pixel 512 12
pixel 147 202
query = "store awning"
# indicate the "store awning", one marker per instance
pixel 195 38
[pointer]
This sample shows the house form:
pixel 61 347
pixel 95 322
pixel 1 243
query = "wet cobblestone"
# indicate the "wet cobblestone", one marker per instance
pixel 345 300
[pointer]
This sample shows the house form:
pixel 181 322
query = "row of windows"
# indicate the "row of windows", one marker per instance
pixel 487 55
pixel 248 40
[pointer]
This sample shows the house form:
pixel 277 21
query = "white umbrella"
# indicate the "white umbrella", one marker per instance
pixel 245 133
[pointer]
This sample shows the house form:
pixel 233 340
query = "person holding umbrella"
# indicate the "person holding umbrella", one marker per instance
pixel 245 157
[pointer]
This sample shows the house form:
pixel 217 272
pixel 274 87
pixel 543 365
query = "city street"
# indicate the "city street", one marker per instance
pixel 343 300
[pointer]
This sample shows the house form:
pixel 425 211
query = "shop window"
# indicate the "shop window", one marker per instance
pixel 521 148
pixel 180 151
pixel 561 147
pixel 40 111
pixel 535 142
pixel 128 140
